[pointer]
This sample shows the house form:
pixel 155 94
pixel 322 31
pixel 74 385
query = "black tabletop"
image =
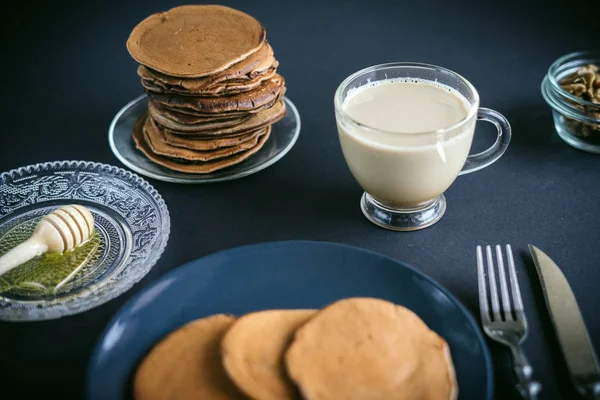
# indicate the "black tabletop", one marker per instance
pixel 66 72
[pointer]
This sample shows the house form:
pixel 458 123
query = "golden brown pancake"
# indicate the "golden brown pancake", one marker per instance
pixel 189 118
pixel 264 95
pixel 263 67
pixel 195 40
pixel 210 143
pixel 171 120
pixel 222 115
pixel 197 167
pixel 259 120
pixel 186 365
pixel 212 85
pixel 238 71
pixel 253 350
pixel 223 88
pixel 370 349
pixel 158 146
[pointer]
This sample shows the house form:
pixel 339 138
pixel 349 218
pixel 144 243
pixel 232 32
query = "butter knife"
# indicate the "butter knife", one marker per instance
pixel 572 334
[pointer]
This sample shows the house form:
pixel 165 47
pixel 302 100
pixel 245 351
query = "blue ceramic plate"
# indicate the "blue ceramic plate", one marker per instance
pixel 281 275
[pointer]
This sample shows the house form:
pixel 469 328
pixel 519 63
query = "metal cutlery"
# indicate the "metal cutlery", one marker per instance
pixel 568 323
pixel 502 316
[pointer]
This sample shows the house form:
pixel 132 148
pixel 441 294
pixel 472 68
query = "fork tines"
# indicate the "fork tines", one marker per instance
pixel 512 308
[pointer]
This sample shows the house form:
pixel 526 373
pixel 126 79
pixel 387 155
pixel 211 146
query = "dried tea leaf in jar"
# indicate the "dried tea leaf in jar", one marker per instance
pixel 595 98
pixel 576 89
pixel 585 84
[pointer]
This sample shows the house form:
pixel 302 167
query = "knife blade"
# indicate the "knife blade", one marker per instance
pixel 569 326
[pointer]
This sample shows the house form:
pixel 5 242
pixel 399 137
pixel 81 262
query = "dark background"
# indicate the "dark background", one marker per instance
pixel 66 72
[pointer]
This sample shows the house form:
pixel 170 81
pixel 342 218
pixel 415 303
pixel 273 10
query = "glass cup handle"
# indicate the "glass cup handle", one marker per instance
pixel 481 160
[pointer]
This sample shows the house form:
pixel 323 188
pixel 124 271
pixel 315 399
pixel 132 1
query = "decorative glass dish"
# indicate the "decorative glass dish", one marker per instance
pixel 283 137
pixel 132 227
pixel 572 89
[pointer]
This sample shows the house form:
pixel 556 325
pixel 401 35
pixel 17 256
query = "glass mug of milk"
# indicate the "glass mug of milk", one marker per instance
pixel 406 131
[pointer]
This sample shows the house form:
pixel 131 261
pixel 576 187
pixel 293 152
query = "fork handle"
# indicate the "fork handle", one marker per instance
pixel 527 387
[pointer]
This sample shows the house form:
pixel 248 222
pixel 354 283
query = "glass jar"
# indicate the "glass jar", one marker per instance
pixel 577 121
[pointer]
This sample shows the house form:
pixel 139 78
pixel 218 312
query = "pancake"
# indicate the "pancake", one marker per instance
pixel 267 93
pixel 219 115
pixel 222 88
pixel 240 70
pixel 187 364
pixel 263 95
pixel 189 118
pixel 171 120
pixel 261 68
pixel 195 40
pixel 193 168
pixel 158 146
pixel 370 349
pixel 259 120
pixel 253 349
pixel 209 143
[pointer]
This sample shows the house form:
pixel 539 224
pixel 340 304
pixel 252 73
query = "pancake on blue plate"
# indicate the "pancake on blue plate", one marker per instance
pixel 187 364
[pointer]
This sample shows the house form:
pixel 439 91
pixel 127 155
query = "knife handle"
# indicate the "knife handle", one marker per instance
pixel 527 387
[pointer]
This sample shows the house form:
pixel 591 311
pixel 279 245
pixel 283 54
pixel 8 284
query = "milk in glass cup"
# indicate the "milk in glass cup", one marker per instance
pixel 406 131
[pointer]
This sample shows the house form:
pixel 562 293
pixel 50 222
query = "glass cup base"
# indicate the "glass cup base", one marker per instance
pixel 397 219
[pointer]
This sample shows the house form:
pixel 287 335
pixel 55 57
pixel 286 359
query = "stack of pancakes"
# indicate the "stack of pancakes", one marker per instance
pixel 212 85
pixel 354 349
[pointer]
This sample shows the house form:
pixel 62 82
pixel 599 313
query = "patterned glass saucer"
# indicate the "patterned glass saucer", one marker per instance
pixel 283 137
pixel 131 220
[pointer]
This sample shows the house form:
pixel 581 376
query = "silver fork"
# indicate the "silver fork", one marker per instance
pixel 506 324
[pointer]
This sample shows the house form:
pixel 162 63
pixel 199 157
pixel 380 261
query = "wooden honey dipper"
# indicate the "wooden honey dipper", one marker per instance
pixel 62 230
